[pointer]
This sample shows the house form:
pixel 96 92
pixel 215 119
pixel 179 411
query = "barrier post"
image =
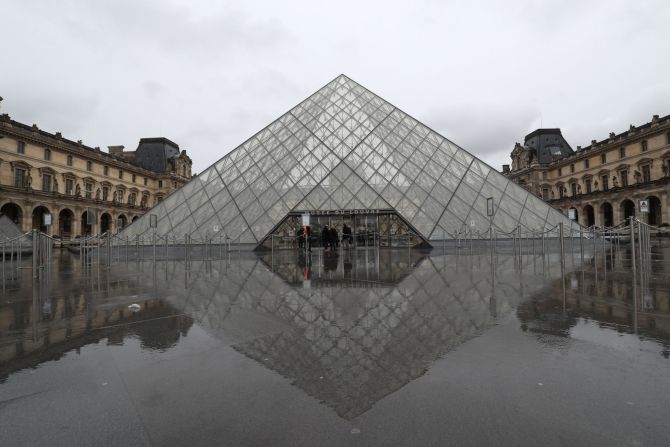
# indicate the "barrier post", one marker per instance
pixel 560 235
pixel 36 248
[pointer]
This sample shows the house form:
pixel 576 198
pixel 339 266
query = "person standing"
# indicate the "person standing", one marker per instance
pixel 308 238
pixel 301 237
pixel 334 238
pixel 325 237
pixel 346 236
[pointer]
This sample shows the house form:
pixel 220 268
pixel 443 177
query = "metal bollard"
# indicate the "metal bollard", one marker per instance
pixel 109 249
pixel 186 250
pixel 560 235
pixel 36 248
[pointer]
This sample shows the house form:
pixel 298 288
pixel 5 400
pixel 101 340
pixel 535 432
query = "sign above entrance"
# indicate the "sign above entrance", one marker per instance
pixel 344 211
pixel 305 220
pixel 644 206
pixel 572 214
pixel 47 219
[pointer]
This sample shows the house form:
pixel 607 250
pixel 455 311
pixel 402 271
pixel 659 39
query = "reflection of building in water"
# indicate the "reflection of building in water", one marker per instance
pixel 349 346
pixel 43 321
pixel 607 301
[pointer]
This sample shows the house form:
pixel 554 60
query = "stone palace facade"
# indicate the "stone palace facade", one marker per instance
pixel 602 183
pixel 83 189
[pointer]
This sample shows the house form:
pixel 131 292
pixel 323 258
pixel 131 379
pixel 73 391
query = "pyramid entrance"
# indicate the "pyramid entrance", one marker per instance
pixel 345 153
pixel 354 228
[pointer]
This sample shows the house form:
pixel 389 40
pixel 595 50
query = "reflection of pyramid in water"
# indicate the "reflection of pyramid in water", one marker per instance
pixel 350 346
pixel 346 148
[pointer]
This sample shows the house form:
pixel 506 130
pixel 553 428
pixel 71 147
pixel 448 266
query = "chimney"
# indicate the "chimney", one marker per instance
pixel 505 169
pixel 612 135
pixel 654 119
pixel 116 151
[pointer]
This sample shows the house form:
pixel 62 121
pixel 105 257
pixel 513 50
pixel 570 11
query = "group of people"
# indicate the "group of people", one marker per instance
pixel 330 237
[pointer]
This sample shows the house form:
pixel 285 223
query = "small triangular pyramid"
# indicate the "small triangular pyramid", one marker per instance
pixel 345 148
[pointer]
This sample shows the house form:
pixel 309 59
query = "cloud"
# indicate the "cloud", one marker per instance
pixel 210 74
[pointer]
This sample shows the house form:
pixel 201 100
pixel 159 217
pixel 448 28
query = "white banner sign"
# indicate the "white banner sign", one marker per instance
pixel 644 206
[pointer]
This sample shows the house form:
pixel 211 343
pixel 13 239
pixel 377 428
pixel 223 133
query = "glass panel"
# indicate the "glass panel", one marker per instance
pixel 504 222
pixel 498 180
pixel 463 157
pixel 227 213
pixel 458 207
pixel 391 195
pixel 537 206
pixel 416 195
pixel 441 194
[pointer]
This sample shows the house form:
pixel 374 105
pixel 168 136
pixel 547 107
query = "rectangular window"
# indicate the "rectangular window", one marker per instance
pixel 69 160
pixel 47 154
pixel 561 191
pixel 120 174
pixel 89 165
pixel 131 199
pixel 586 163
pixel 572 168
pixel 644 145
pixel 89 190
pixel 573 186
pixel 105 170
pixel 21 147
pixel 622 152
pixel 19 177
pixel 646 173
pixel 119 195
pixel 46 183
pixel 160 183
pixel 545 193
pixel 560 172
pixel 624 177
pixel 69 186
pixel 134 178
pixel 544 175
pixel 145 181
pixel 105 193
pixel 589 188
pixel 603 158
pixel 606 185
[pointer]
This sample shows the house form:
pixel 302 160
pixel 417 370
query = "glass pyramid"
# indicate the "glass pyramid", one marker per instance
pixel 345 148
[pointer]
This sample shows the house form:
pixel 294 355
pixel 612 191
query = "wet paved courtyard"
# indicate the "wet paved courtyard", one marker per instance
pixel 359 347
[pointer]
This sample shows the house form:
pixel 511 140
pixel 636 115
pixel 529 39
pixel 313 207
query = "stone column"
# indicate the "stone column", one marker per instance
pixel 26 220
pixel 665 207
pixel 55 222
pixel 617 215
pixel 76 222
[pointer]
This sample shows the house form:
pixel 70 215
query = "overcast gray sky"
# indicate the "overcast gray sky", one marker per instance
pixel 210 74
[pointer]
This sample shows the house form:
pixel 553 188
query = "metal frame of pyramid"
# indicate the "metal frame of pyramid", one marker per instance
pixel 346 148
